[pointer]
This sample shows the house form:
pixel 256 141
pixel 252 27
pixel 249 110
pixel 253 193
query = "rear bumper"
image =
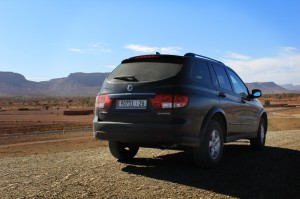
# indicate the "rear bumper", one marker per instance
pixel 185 134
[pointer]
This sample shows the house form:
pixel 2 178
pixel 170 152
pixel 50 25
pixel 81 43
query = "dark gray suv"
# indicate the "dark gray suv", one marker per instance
pixel 177 102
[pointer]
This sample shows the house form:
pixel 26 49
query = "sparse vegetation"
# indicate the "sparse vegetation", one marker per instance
pixel 46 103
pixel 281 95
pixel 283 99
pixel 23 109
pixel 267 103
pixel 283 142
pixel 79 112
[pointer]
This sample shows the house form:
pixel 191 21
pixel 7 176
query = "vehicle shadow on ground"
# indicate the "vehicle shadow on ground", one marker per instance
pixel 243 173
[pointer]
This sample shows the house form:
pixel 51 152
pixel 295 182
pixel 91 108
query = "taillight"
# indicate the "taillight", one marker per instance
pixel 162 101
pixel 180 101
pixel 169 101
pixel 103 102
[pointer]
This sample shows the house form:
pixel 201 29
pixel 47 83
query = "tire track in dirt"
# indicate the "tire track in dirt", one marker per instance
pixel 43 142
pixel 94 173
pixel 45 132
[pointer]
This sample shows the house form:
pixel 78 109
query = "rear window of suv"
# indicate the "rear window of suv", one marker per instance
pixel 145 71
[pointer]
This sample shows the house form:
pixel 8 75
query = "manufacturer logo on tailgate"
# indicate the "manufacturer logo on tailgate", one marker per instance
pixel 129 88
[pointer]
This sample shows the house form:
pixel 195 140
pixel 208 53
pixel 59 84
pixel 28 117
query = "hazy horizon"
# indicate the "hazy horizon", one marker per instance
pixel 107 72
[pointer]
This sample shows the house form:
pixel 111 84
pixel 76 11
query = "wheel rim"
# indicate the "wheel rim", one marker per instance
pixel 214 144
pixel 127 147
pixel 262 132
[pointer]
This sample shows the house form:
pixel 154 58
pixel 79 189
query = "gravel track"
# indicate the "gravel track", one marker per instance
pixel 94 173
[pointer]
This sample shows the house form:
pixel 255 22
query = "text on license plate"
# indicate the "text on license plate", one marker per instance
pixel 131 104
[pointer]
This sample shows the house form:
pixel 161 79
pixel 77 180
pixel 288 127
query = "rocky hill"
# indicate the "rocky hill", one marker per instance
pixel 268 87
pixel 291 87
pixel 76 84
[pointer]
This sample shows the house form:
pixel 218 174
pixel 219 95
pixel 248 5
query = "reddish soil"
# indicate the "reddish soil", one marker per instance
pixel 12 122
pixel 74 132
pixel 67 162
pixel 52 132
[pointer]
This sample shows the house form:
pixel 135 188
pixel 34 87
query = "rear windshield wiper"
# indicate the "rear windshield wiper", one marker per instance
pixel 127 78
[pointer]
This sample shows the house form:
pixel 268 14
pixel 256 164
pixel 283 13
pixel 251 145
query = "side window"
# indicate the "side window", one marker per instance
pixel 222 77
pixel 200 72
pixel 238 85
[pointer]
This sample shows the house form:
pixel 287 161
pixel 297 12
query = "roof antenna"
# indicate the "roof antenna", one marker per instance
pixel 157 53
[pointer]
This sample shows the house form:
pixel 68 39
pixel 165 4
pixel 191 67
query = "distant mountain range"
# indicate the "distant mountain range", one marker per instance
pixel 88 84
pixel 291 87
pixel 76 84
pixel 272 88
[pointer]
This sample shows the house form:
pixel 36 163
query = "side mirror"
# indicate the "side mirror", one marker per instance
pixel 256 93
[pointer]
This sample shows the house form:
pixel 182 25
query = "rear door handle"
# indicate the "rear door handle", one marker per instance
pixel 222 94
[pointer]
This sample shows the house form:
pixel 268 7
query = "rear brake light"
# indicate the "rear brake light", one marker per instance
pixel 146 57
pixel 103 102
pixel 169 101
pixel 162 101
pixel 180 101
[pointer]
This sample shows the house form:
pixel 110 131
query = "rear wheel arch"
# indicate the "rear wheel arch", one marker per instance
pixel 222 120
pixel 208 153
pixel 217 114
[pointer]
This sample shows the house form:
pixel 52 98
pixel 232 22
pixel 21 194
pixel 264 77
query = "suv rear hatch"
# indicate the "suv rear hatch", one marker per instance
pixel 141 90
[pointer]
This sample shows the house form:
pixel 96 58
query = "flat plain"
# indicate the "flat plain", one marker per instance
pixel 46 154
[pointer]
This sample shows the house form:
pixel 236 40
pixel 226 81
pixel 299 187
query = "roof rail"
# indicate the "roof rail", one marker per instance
pixel 201 56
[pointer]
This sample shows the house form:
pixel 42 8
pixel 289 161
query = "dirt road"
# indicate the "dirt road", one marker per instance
pixel 94 173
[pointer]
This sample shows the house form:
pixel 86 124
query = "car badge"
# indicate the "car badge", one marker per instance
pixel 129 88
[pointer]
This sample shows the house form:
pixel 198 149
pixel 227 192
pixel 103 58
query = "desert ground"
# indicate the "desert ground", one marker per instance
pixel 46 154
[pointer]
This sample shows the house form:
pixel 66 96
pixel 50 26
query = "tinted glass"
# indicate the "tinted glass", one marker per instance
pixel 213 76
pixel 238 85
pixel 200 72
pixel 222 77
pixel 146 71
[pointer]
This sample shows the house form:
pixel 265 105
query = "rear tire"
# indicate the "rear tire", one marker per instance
pixel 209 152
pixel 258 143
pixel 122 151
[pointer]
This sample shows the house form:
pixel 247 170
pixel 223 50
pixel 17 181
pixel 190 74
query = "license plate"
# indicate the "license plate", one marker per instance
pixel 131 104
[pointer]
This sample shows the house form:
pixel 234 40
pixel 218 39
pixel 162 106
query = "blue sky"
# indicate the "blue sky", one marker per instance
pixel 45 39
